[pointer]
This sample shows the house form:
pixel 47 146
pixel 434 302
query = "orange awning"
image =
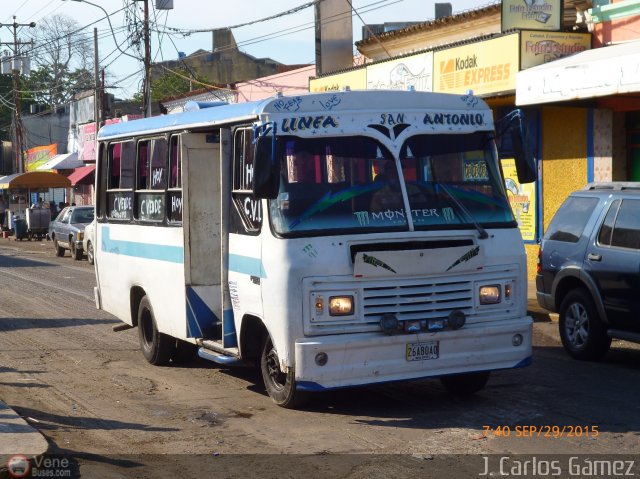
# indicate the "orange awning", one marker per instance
pixel 34 180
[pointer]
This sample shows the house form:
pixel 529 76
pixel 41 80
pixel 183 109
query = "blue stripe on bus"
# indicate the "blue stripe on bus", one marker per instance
pixel 200 317
pixel 229 340
pixel 172 254
pixel 246 265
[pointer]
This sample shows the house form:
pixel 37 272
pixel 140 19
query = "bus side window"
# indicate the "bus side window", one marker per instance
pixel 174 193
pixel 120 164
pixel 101 194
pixel 246 216
pixel 150 180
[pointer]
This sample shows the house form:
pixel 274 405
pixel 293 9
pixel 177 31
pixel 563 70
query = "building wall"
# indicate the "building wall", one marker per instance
pixel 293 82
pixel 564 156
pixel 616 21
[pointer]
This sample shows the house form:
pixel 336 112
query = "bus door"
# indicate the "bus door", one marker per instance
pixel 200 153
pixel 245 267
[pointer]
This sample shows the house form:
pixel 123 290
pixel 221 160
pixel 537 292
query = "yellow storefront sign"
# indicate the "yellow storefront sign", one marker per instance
pixel 522 198
pixel 355 80
pixel 537 48
pixel 486 68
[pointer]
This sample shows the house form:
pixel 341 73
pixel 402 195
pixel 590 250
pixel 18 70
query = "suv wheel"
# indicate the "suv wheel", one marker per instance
pixel 581 330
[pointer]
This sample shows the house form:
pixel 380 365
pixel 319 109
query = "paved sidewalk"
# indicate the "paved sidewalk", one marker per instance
pixel 17 437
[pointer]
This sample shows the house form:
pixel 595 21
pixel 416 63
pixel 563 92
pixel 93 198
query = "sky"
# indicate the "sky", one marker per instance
pixel 288 39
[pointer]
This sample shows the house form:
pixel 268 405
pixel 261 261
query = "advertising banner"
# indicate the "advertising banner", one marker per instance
pixel 531 14
pixel 522 198
pixel 39 155
pixel 537 48
pixel 87 142
pixel 486 68
pixel 356 80
pixel 415 71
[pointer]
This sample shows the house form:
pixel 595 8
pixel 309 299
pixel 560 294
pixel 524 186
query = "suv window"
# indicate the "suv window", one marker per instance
pixel 569 221
pixel 626 232
pixel 604 236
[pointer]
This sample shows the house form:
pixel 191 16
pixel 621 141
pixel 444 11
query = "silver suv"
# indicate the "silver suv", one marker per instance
pixel 589 268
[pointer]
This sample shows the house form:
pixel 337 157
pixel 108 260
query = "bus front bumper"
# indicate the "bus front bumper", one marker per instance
pixel 369 358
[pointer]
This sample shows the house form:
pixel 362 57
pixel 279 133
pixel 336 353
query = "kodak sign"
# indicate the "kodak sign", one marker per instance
pixel 487 67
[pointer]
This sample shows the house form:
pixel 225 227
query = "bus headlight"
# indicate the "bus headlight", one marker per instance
pixel 490 294
pixel 341 305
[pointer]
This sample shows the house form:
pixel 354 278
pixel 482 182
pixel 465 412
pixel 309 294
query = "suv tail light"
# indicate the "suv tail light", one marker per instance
pixel 539 265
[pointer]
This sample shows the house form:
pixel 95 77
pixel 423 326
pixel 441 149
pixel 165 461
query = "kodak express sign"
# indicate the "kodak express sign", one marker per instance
pixel 487 67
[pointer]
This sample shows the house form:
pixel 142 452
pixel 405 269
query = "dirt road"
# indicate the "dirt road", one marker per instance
pixel 91 393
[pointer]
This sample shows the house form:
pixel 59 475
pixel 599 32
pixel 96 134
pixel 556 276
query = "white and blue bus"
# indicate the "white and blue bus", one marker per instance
pixel 333 239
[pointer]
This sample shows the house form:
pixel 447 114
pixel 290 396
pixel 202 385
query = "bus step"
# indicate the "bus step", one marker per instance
pixel 121 327
pixel 219 358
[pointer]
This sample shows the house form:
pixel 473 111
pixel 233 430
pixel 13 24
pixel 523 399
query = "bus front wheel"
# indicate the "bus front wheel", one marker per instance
pixel 280 386
pixel 157 347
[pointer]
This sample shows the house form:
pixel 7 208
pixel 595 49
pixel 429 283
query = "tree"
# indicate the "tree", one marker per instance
pixel 175 83
pixel 63 57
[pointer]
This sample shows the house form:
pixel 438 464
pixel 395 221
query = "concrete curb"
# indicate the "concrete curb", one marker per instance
pixel 18 438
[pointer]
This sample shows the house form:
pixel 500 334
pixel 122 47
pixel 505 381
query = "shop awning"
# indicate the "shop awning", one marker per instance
pixel 605 71
pixel 65 161
pixel 34 180
pixel 82 175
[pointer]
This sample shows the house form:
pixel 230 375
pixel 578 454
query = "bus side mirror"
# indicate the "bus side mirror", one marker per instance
pixel 516 143
pixel 523 154
pixel 266 169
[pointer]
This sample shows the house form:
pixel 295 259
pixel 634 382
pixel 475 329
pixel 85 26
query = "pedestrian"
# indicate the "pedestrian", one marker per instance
pixel 3 210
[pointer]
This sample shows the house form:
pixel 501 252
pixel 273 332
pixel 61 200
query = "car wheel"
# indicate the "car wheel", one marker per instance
pixel 157 347
pixel 90 252
pixel 582 332
pixel 59 249
pixel 465 384
pixel 280 386
pixel 76 253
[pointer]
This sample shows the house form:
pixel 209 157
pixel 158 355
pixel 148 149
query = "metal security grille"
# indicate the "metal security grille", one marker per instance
pixel 413 301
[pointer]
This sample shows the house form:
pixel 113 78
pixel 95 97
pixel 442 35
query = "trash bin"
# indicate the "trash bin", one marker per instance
pixel 20 228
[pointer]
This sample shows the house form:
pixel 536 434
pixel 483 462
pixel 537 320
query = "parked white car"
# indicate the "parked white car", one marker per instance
pixel 89 240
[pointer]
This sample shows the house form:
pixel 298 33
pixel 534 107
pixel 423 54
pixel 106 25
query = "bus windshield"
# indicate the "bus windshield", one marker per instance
pixel 351 184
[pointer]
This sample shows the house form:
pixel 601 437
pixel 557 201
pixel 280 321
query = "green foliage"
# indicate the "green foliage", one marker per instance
pixel 175 84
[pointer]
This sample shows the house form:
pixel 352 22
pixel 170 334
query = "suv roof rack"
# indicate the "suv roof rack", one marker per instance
pixel 613 185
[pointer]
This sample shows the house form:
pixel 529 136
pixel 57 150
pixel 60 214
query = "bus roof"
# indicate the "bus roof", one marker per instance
pixel 371 102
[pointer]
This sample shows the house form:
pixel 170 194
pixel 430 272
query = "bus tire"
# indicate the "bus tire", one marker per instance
pixel 465 384
pixel 280 386
pixel 157 347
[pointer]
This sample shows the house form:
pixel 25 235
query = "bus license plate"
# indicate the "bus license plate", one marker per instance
pixel 423 351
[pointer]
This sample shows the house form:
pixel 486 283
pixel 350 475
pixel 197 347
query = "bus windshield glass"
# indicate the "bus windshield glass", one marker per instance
pixel 351 185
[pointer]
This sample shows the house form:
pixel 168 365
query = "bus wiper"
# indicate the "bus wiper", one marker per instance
pixel 482 233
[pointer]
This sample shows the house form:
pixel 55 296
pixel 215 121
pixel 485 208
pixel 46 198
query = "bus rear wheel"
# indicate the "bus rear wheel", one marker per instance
pixel 280 386
pixel 157 347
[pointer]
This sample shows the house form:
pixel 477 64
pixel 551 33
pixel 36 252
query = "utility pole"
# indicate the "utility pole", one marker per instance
pixel 15 70
pixel 97 99
pixel 147 63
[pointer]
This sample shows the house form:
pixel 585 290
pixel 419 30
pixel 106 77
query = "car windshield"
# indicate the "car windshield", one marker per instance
pixel 346 185
pixel 82 215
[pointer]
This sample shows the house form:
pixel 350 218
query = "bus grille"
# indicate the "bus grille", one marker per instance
pixel 428 301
